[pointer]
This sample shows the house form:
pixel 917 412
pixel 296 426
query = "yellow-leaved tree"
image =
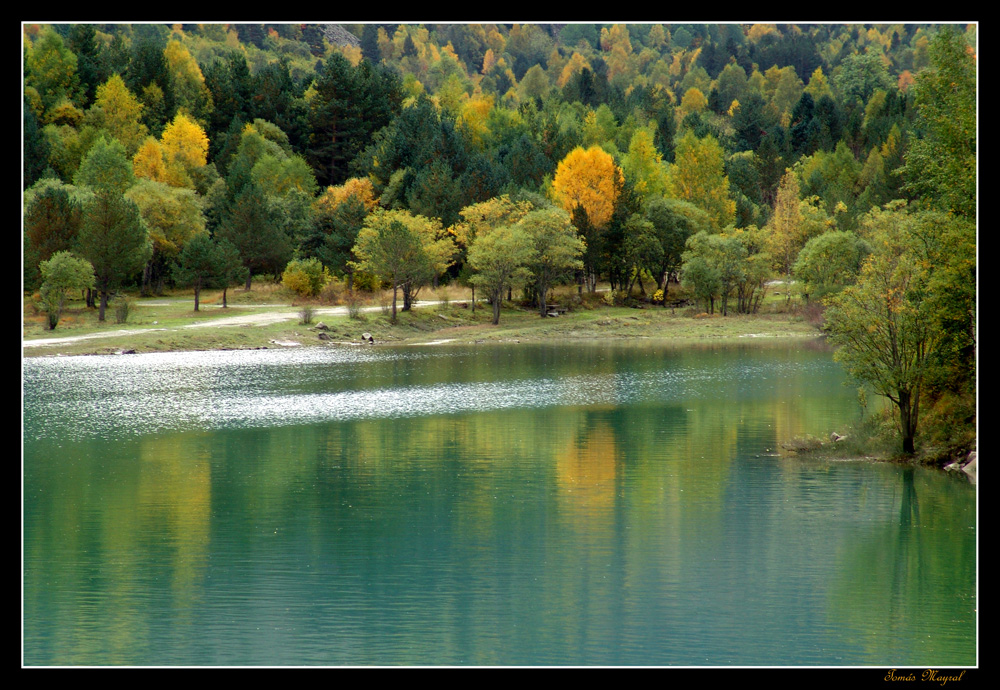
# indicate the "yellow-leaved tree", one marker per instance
pixel 590 180
pixel 148 161
pixel 120 113
pixel 698 176
pixel 185 148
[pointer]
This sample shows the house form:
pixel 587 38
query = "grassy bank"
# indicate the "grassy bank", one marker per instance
pixel 269 316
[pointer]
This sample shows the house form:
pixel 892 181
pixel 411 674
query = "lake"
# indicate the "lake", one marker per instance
pixel 603 503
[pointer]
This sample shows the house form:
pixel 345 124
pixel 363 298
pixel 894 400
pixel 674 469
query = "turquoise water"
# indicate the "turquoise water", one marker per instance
pixel 587 504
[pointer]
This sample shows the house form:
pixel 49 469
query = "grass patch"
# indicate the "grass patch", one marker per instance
pixel 161 323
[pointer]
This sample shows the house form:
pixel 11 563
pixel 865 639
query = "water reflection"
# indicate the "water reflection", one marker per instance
pixel 606 505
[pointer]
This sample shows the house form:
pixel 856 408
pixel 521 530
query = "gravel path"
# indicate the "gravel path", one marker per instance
pixel 244 320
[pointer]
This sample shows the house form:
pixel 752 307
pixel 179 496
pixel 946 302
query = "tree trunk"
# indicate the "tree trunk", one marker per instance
pixel 197 294
pixel 542 307
pixel 497 299
pixel 394 300
pixel 249 276
pixel 103 307
pixel 907 420
pixel 224 305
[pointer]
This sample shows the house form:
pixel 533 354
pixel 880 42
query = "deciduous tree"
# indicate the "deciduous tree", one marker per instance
pixel 500 260
pixel 588 179
pixel 698 176
pixel 884 325
pixel 60 274
pixel 557 250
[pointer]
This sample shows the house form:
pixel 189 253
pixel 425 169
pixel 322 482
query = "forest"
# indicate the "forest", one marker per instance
pixel 709 159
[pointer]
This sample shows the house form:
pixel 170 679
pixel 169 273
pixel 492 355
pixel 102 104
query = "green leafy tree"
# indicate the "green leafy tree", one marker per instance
pixel 484 217
pixel 829 261
pixel 173 216
pixel 884 325
pixel 557 250
pixel 941 162
pixel 392 251
pixel 500 259
pixel 673 221
pixel 60 274
pixel 714 266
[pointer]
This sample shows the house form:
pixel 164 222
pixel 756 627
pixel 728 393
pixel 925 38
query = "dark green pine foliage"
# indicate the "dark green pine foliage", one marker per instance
pixel 277 98
pixel 801 130
pixel 251 224
pixel 82 41
pixel 147 65
pixel 436 193
pixel 369 43
pixel 114 239
pixel 349 106
pixel 751 122
pixel 197 265
pixel 231 85
pixel 334 236
pixel 36 149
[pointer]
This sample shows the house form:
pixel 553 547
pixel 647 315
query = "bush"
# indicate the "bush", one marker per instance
pixel 122 305
pixel 305 277
pixel 354 306
pixel 306 314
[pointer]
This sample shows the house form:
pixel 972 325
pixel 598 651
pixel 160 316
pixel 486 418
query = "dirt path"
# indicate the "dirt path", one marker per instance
pixel 259 319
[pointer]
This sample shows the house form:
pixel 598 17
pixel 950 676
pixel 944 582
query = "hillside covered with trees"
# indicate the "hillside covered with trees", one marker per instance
pixel 722 156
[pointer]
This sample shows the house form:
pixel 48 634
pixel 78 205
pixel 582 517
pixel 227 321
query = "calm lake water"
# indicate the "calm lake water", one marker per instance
pixel 584 504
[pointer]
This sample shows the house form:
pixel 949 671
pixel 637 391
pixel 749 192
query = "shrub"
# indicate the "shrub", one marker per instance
pixel 354 306
pixel 306 314
pixel 122 305
pixel 305 277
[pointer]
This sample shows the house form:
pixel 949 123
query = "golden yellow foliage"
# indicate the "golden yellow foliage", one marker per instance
pixel 185 148
pixel 148 161
pixel 588 179
pixel 359 187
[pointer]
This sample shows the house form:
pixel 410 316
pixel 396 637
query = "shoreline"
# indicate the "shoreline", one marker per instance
pixel 430 323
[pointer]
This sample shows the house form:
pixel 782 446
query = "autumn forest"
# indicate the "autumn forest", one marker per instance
pixel 655 159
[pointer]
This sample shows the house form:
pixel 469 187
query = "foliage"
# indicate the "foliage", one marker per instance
pixel 60 274
pixel 557 249
pixel 306 277
pixel 500 260
pixel 884 325
pixel 698 176
pixel 404 249
pixel 941 163
pixel 829 261
pixel 114 238
pixel 588 179
pixel 106 167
